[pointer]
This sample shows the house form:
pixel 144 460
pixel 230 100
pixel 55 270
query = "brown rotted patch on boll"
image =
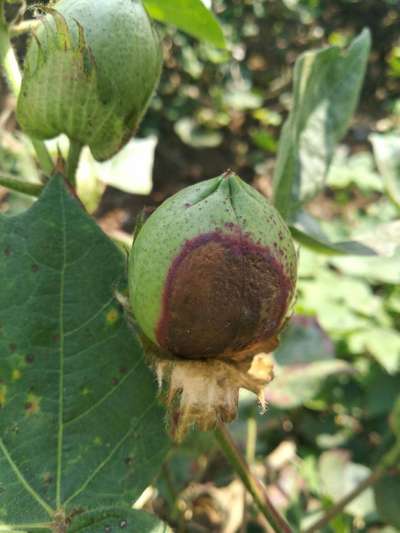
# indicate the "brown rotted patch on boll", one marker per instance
pixel 224 295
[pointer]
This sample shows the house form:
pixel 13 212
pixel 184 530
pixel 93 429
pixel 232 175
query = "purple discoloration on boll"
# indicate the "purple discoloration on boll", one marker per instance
pixel 223 294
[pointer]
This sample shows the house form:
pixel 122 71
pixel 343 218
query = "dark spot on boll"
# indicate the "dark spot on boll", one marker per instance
pixel 230 225
pixel 223 294
pixel 123 370
pixel 34 268
pixel 47 478
pixel 114 381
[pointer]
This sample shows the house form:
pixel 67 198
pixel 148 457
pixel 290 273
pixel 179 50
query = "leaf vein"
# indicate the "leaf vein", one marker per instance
pixel 95 315
pixel 23 481
pixel 61 376
pixel 110 455
pixel 105 397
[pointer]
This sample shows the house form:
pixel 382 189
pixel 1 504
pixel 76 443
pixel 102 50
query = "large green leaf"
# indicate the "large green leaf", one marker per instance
pixel 327 84
pixel 117 520
pixel 80 425
pixel 190 16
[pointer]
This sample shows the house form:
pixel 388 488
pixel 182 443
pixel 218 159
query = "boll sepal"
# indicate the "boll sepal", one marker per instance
pixel 90 71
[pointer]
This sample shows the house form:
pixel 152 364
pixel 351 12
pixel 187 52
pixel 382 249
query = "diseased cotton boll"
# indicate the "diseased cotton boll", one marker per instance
pixel 212 280
pixel 90 71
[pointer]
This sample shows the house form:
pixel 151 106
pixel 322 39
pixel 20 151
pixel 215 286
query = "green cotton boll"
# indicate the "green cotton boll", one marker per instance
pixel 90 71
pixel 213 272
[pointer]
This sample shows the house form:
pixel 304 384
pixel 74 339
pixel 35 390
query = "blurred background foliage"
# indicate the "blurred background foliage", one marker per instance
pixel 338 366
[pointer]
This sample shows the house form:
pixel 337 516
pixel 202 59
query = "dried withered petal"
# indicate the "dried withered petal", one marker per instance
pixel 206 392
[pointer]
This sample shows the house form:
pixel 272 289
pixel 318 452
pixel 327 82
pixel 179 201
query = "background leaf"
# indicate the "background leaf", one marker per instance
pixel 375 269
pixel 326 88
pixel 353 170
pixel 387 155
pixel 307 232
pixel 296 385
pixel 304 341
pixel 381 343
pixel 395 418
pixel 190 16
pixel 339 476
pixel 304 360
pixel 80 425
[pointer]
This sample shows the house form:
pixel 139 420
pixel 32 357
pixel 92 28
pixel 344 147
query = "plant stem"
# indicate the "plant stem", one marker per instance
pixel 8 58
pixel 9 62
pixel 43 156
pixel 252 484
pixel 251 440
pixel 17 185
pixel 173 494
pixel 388 460
pixel 74 155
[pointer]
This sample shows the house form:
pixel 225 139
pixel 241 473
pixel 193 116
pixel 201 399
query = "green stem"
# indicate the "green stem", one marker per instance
pixel 9 62
pixel 17 185
pixel 7 56
pixel 251 440
pixel 74 155
pixel 44 156
pixel 174 495
pixel 252 484
pixel 388 460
